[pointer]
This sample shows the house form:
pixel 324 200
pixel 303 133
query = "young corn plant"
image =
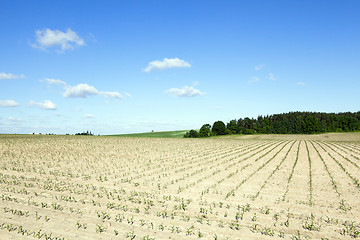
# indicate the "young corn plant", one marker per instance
pixel 131 235
pixel 267 231
pixel 351 229
pixel 100 228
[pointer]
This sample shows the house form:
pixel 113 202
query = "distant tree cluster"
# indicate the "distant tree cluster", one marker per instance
pixel 43 133
pixel 285 123
pixel 85 133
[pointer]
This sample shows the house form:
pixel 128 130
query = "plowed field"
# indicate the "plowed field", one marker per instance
pixel 78 187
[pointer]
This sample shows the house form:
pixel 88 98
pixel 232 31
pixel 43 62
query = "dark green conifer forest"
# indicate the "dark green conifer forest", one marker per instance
pixel 285 123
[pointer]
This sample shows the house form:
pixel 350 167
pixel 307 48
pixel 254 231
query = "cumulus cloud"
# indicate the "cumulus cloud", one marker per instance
pixel 84 90
pixel 167 63
pixel 81 90
pixel 8 103
pixel 48 38
pixel 47 105
pixel 184 92
pixel 4 76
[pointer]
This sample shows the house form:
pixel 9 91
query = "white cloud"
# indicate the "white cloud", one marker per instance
pixel 8 103
pixel 167 63
pixel 54 82
pixel 259 67
pixel 112 95
pixel 81 90
pixel 184 92
pixel 84 90
pixel 271 77
pixel 47 105
pixel 48 38
pixel 4 76
pixel 300 84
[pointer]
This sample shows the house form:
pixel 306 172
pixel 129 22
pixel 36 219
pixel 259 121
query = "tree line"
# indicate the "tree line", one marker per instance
pixel 85 133
pixel 285 123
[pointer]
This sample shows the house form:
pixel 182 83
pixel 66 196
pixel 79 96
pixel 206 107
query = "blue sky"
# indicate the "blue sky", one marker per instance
pixel 135 66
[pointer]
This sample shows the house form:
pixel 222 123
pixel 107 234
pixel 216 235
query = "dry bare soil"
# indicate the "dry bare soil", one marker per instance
pixel 249 187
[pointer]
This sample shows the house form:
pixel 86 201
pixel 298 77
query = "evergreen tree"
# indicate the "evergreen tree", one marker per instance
pixel 233 127
pixel 289 123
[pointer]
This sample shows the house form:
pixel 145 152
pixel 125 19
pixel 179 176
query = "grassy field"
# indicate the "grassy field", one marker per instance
pixel 165 134
pixel 238 187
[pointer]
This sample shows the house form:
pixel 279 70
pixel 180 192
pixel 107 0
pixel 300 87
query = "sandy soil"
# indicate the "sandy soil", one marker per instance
pixel 242 187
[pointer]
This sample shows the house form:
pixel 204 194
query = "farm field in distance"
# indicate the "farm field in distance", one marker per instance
pixel 165 134
pixel 234 187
